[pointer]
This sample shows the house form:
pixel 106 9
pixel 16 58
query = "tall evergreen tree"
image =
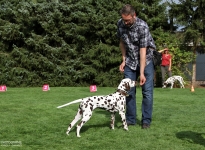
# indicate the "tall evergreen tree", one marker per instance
pixel 190 15
pixel 66 42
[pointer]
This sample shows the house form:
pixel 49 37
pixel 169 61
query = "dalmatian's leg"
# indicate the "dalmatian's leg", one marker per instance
pixel 172 83
pixel 86 116
pixel 77 117
pixel 122 114
pixel 181 83
pixel 112 123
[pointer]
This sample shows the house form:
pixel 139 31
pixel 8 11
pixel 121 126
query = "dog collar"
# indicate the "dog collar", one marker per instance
pixel 123 92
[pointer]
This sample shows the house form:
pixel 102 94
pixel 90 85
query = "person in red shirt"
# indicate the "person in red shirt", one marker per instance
pixel 166 64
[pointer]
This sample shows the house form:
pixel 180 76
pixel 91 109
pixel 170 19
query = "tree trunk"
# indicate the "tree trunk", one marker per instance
pixel 193 81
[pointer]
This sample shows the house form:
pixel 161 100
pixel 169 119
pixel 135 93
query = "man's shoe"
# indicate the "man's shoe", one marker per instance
pixel 145 126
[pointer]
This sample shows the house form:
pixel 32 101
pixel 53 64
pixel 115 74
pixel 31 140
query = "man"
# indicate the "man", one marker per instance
pixel 137 44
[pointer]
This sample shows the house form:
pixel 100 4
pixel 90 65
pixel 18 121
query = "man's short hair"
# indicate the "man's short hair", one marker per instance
pixel 127 10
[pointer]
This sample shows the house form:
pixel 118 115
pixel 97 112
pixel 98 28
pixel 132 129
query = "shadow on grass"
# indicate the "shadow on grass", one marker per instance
pixel 87 127
pixel 117 115
pixel 192 137
pixel 105 124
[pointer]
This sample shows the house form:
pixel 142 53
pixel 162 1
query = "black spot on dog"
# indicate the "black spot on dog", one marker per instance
pixel 91 108
pixel 80 123
pixel 81 112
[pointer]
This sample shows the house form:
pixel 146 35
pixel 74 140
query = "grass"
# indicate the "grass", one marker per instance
pixel 29 117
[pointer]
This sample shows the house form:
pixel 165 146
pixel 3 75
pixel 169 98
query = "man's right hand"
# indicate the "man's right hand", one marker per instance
pixel 122 66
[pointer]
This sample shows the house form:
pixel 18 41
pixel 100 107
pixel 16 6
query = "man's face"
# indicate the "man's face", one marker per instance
pixel 128 19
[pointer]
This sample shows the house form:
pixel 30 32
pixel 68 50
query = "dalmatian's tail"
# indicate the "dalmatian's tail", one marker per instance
pixel 73 102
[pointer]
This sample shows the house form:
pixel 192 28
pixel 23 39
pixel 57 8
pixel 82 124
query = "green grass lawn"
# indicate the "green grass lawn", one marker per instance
pixel 29 117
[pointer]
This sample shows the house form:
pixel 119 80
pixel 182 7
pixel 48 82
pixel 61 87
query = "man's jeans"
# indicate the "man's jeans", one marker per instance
pixel 147 92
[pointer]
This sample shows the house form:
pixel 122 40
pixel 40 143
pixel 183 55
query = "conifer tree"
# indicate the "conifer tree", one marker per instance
pixel 190 16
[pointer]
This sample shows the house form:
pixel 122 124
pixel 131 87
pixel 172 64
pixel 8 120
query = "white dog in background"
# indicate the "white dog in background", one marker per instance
pixel 171 81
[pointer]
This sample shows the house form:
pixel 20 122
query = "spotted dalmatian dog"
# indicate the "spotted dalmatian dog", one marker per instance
pixel 171 81
pixel 113 103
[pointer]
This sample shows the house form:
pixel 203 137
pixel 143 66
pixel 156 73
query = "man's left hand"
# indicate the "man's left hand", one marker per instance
pixel 142 80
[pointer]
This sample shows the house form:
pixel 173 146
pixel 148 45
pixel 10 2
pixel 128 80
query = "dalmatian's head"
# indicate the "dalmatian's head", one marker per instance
pixel 165 84
pixel 168 81
pixel 126 84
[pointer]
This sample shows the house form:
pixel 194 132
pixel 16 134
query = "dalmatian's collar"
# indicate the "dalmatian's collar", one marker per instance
pixel 125 93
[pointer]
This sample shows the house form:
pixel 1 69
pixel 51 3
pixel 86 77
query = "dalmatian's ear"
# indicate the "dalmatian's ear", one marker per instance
pixel 127 86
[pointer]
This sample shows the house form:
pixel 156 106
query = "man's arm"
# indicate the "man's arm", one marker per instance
pixel 142 65
pixel 123 51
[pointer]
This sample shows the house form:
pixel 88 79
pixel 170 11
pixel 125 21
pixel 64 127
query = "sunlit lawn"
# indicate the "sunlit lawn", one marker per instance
pixel 29 119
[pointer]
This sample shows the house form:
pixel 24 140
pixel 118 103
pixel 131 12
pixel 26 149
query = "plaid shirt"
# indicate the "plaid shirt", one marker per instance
pixel 135 37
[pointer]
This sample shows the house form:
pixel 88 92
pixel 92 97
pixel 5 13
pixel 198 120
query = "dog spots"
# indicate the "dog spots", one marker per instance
pixel 112 109
pixel 79 124
pixel 91 108
pixel 81 112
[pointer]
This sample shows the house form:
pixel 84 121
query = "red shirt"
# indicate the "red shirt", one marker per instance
pixel 165 59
